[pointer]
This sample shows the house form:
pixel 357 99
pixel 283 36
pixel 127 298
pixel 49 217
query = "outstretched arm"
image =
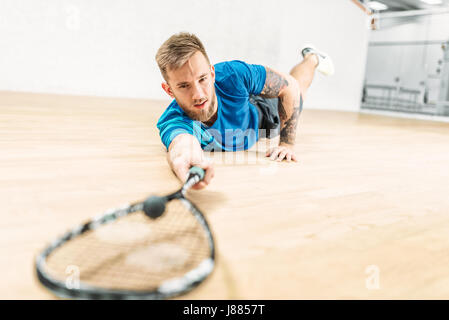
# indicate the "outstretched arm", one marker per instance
pixel 286 89
pixel 184 152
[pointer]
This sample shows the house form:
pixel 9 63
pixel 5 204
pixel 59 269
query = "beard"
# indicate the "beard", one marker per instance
pixel 202 115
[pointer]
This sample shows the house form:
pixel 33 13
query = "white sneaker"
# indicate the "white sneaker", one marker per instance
pixel 325 64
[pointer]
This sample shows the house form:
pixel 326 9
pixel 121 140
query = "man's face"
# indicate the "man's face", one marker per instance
pixel 192 86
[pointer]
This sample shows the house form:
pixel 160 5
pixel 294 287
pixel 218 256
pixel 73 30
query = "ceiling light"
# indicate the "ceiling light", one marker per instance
pixel 379 6
pixel 432 1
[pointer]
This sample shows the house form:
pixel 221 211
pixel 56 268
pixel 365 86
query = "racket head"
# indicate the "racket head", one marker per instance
pixel 124 254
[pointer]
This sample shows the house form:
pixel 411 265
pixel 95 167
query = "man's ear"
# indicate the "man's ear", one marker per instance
pixel 167 89
pixel 212 71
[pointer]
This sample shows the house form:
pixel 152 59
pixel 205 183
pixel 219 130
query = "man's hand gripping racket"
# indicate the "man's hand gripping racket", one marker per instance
pixel 155 249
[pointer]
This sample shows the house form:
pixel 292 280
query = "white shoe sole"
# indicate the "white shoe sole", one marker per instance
pixel 325 64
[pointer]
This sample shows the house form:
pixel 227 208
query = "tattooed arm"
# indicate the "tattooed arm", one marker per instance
pixel 286 89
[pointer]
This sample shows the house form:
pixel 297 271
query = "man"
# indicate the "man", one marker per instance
pixel 226 106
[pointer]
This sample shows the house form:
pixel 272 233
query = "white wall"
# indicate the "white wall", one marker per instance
pixel 107 47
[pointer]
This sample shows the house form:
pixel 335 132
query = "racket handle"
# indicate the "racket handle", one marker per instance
pixel 196 174
pixel 196 171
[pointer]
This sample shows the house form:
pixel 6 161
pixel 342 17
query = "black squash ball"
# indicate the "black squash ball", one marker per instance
pixel 154 206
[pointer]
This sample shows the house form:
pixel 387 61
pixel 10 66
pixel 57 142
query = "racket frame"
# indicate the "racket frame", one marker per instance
pixel 168 289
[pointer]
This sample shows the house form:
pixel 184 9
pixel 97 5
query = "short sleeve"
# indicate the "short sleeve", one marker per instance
pixel 253 76
pixel 169 129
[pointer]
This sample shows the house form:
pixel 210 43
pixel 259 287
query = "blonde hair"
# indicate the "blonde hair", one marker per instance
pixel 176 50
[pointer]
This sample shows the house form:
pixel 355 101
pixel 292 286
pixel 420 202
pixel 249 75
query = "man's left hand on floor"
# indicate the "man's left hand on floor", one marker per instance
pixel 281 152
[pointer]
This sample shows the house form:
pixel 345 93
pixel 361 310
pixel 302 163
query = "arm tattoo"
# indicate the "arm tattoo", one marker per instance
pixel 281 109
pixel 274 84
pixel 288 126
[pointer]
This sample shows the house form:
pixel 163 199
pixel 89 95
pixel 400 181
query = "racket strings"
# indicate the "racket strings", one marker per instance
pixel 134 252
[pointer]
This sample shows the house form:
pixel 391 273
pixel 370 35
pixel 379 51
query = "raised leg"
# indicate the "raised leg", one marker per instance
pixel 304 72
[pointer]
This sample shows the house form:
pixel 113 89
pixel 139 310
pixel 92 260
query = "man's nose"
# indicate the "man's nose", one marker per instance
pixel 197 93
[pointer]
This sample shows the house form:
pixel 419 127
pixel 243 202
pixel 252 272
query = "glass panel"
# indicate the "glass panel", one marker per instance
pixel 408 77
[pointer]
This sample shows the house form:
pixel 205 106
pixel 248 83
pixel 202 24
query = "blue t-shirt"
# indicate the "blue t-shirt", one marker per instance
pixel 236 127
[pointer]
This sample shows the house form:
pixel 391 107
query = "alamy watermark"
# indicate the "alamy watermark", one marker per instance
pixel 237 146
pixel 73 20
pixel 73 277
pixel 372 282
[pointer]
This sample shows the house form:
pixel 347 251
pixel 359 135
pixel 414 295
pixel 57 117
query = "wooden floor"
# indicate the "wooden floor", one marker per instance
pixel 363 215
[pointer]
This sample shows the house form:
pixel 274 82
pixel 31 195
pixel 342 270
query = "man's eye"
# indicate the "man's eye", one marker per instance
pixel 203 79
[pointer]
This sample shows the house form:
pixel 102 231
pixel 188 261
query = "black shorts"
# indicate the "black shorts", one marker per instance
pixel 269 121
